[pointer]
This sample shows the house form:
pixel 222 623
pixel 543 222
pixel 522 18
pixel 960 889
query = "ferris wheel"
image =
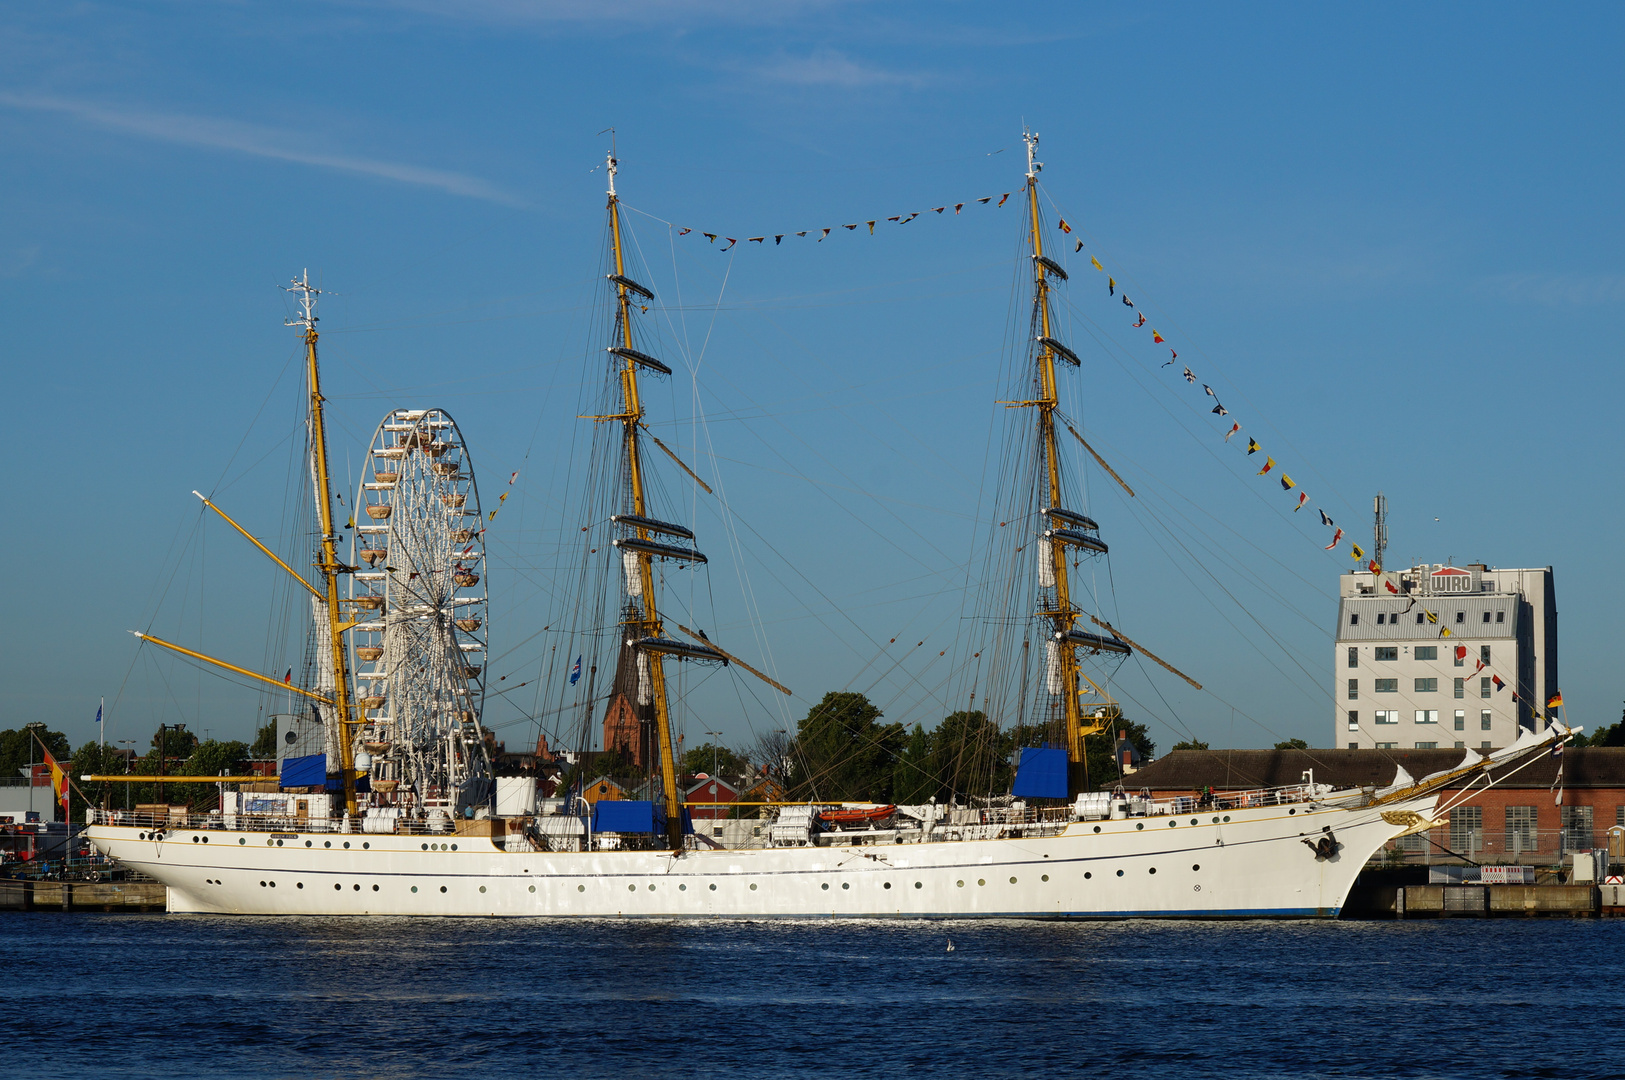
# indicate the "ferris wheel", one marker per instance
pixel 420 603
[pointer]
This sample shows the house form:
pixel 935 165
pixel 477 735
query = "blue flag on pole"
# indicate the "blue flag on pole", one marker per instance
pixel 98 714
pixel 575 672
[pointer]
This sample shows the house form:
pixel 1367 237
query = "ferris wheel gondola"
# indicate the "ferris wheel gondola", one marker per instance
pixel 420 605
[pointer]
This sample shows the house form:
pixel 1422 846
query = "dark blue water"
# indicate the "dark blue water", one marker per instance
pixel 192 996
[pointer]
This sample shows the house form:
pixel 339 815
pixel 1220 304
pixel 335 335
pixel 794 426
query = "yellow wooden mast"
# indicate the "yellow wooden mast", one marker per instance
pixel 330 566
pixel 1064 615
pixel 646 622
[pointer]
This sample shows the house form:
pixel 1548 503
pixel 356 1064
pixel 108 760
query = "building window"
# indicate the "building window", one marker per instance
pixel 1484 687
pixel 1500 616
pixel 1427 746
pixel 1427 716
pixel 1387 686
pixel 1387 746
pixel 1427 686
pixel 1387 716
pixel 1461 745
pixel 1460 721
pixel 1460 688
pixel 1418 618
pixel 1427 652
pixel 1484 746
pixel 1486 616
pixel 1354 656
pixel 1461 616
pixel 1577 828
pixel 1354 618
pixel 1461 656
pixel 1387 652
pixel 1483 720
pixel 1354 746
pixel 1484 653
pixel 1354 720
pixel 1354 689
pixel 1467 829
pixel 1619 815
pixel 1520 829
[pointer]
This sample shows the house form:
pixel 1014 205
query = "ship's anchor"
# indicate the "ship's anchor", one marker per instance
pixel 1326 846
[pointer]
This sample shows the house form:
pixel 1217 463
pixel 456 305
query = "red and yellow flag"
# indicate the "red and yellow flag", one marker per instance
pixel 1556 701
pixel 59 782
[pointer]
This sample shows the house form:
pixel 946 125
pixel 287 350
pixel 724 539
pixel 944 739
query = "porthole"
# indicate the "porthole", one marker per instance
pixel 1153 869
pixel 713 888
pixel 981 881
pixel 327 843
pixel 961 884
pixel 346 843
pixel 1171 824
pixel 1087 875
pixel 846 884
pixel 442 888
pixel 1044 878
pixel 357 886
pixel 1139 824
pixel 299 885
pixel 273 884
pixel 1227 817
pixel 337 886
pixel 533 888
pixel 1194 821
pixel 825 886
pixel 279 843
pixel 682 888
pixel 205 839
pixel 454 847
pixel 307 843
pixel 365 846
pixel 140 836
pixel 194 839
pixel 375 888
pixel 414 888
pixel 1012 881
pixel 482 888
pixel 753 886
pixel 425 847
pixel 581 888
pixel 1120 873
pixel 631 888
pixel 887 885
pixel 269 841
pixel 1215 819
pixel 1097 828
pixel 262 884
pixel 651 888
pixel 1196 866
pixel 1294 810
pixel 919 884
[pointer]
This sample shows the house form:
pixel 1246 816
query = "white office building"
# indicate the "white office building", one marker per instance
pixel 1443 656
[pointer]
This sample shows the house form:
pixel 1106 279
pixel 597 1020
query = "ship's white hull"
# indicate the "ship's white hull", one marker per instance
pixel 1248 863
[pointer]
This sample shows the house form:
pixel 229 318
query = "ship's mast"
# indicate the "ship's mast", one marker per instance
pixel 644 618
pixel 329 565
pixel 1061 613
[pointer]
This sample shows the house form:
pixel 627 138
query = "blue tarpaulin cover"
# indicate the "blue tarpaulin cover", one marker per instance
pixel 1041 774
pixel 309 771
pixel 624 815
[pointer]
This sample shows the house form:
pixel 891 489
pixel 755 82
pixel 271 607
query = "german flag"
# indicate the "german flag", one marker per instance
pixel 1555 701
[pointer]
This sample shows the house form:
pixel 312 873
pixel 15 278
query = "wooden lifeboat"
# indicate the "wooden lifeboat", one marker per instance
pixel 369 653
pixel 855 816
pixel 379 513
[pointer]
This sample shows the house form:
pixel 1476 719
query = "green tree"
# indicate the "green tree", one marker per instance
pixel 94 759
pixel 264 740
pixel 1195 744
pixel 914 777
pixel 18 748
pixel 842 753
pixel 1290 744
pixel 970 755
pixel 699 760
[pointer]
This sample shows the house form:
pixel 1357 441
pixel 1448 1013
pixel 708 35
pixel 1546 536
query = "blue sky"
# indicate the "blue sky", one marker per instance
pixel 1387 236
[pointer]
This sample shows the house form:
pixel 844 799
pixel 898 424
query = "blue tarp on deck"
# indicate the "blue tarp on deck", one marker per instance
pixel 628 816
pixel 310 771
pixel 1041 774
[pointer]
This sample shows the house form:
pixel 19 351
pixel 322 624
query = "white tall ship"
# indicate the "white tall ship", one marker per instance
pixel 416 831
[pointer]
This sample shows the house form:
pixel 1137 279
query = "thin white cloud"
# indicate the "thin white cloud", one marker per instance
pixel 254 140
pixel 828 67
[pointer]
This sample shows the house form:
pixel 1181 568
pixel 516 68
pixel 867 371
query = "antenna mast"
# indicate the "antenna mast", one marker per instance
pixel 1379 531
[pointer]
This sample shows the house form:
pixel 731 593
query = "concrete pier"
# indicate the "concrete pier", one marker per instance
pixel 1382 901
pixel 110 896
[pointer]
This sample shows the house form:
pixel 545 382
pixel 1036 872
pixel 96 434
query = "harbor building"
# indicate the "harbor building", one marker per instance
pixel 1443 657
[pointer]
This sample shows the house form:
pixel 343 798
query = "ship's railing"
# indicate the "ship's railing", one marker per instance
pixel 279 823
pixel 1196 803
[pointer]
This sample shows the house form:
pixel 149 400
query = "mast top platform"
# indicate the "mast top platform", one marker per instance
pixel 1033 164
pixel 307 301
